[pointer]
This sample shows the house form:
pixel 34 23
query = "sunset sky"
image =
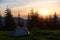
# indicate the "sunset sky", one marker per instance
pixel 23 5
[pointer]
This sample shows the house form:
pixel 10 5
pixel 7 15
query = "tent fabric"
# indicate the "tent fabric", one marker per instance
pixel 20 31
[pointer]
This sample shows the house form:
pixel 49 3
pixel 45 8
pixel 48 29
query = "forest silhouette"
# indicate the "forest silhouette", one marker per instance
pixel 33 20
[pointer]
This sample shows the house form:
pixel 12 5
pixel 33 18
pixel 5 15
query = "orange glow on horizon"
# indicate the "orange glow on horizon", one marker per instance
pixel 46 12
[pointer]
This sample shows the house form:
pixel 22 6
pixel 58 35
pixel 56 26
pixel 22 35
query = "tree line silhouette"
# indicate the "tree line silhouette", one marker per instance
pixel 9 22
pixel 33 20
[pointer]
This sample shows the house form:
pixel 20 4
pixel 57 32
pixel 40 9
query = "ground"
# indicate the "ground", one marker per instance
pixel 35 35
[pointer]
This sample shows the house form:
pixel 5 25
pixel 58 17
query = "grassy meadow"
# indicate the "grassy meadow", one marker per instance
pixel 35 35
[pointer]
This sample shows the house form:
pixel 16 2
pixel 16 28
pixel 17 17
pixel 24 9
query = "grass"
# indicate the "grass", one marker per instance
pixel 35 35
pixel 5 35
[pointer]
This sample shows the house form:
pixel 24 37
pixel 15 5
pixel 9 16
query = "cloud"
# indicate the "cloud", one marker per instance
pixel 41 3
pixel 1 1
pixel 27 3
pixel 15 3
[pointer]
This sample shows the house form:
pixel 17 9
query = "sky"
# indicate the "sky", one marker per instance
pixel 24 5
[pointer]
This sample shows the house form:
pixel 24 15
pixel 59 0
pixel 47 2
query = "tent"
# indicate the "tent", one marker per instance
pixel 20 31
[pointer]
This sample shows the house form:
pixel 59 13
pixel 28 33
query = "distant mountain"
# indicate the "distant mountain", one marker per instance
pixel 23 20
pixel 15 18
pixel 58 19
